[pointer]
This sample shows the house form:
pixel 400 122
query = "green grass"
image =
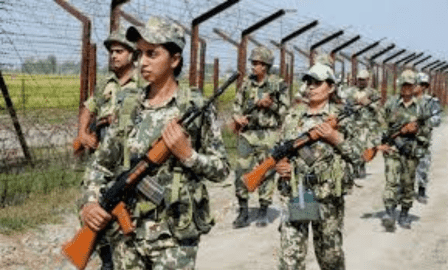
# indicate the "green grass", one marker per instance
pixel 42 91
pixel 42 178
pixel 38 209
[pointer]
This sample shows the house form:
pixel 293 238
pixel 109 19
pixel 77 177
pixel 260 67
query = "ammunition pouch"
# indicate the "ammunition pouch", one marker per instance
pixel 189 216
pixel 304 211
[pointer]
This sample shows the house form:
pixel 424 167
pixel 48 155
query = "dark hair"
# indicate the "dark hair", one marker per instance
pixel 172 48
pixel 424 84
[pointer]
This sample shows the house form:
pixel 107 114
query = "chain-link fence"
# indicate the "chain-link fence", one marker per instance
pixel 41 64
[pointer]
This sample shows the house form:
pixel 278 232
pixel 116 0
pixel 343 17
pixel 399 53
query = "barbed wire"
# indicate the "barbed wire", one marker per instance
pixel 47 28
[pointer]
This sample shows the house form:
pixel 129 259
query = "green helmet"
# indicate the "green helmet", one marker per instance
pixel 158 31
pixel 119 36
pixel 262 54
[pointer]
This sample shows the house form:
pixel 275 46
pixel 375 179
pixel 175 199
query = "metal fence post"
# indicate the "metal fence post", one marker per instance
pixel 15 120
pixel 193 76
pixel 216 75
pixel 86 33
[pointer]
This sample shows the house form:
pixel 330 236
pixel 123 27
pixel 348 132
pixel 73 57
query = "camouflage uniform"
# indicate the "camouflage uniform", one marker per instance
pixel 261 132
pixel 166 235
pixel 400 167
pixel 327 177
pixel 431 106
pixel 103 103
pixel 368 119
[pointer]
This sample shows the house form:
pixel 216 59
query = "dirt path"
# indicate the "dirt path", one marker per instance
pixel 366 244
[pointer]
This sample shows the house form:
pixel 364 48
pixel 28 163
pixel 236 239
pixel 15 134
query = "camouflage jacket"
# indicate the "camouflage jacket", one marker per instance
pixel 137 128
pixel 369 113
pixel 432 109
pixel 261 120
pixel 328 164
pixel 252 91
pixel 396 114
pixel 369 118
pixel 103 102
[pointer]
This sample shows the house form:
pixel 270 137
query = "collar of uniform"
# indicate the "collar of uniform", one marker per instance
pixel 324 111
pixel 401 102
pixel 113 77
pixel 166 103
pixel 256 83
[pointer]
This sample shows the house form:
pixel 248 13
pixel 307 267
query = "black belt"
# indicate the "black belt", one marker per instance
pixel 261 128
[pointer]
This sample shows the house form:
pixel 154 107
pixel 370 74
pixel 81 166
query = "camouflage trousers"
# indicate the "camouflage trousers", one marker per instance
pixel 327 239
pixel 130 253
pixel 249 157
pixel 422 172
pixel 400 179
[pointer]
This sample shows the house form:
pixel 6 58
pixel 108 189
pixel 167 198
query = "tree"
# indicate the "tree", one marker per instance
pixel 53 65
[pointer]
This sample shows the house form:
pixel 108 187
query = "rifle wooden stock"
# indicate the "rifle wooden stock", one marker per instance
pixel 370 153
pixel 253 179
pixel 80 248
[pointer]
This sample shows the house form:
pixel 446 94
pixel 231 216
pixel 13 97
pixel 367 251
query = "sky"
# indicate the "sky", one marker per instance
pixel 415 25
pixel 38 28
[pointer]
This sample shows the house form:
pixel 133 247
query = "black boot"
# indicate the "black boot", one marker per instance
pixel 262 218
pixel 362 171
pixel 243 217
pixel 421 197
pixel 404 220
pixel 106 258
pixel 388 219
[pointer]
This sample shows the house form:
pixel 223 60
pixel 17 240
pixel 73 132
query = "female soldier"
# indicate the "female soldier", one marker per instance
pixel 320 172
pixel 166 234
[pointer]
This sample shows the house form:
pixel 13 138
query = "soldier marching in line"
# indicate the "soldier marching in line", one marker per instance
pixel 101 106
pixel 432 108
pixel 318 176
pixel 258 112
pixel 164 237
pixel 401 155
pixel 368 119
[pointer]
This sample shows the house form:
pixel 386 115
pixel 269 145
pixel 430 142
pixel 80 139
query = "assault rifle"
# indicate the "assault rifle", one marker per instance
pixel 80 248
pixel 97 126
pixel 392 138
pixel 290 148
pixel 237 128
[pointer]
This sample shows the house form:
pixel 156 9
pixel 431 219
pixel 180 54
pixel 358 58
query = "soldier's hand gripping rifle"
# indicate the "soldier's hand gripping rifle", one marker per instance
pixel 390 138
pixel 95 127
pixel 80 248
pixel 290 148
pixel 237 127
